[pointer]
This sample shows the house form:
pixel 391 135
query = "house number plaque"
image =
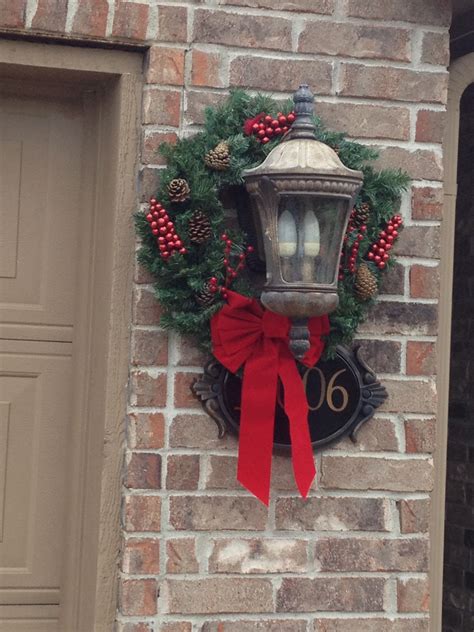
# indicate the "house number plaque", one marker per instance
pixel 342 394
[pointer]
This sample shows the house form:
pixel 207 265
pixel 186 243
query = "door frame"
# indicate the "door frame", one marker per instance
pixel 461 75
pixel 112 83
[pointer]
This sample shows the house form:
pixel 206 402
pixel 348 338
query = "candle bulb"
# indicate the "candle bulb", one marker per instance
pixel 287 242
pixel 311 244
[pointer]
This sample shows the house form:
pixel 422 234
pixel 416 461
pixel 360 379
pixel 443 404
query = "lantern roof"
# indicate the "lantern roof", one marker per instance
pixel 300 153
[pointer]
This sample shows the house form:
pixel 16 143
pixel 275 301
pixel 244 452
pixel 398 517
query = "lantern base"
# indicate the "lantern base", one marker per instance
pixel 300 304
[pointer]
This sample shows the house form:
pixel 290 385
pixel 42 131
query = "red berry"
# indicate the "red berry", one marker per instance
pixel 269 131
pixel 242 257
pixel 261 125
pixel 382 265
pixel 375 247
pixel 250 248
pixel 162 247
pixel 169 225
pixel 352 259
pixel 385 257
pixel 382 242
pixel 265 140
pixel 360 237
pixel 363 228
pixel 261 133
pixel 183 251
pixel 275 123
pixel 340 277
pixel 224 237
pixel 282 119
pixel 213 280
pixel 154 225
pixel 285 129
pixel 228 243
pixel 169 236
pixel 255 127
pixel 156 215
pixel 383 235
pixel 278 130
pixel 268 119
pixel 178 244
pixel 161 221
pixel 381 251
pixel 149 217
pixel 395 234
pixel 377 259
pixel 291 117
pixel 387 247
pixel 213 289
pixel 226 262
pixel 390 238
pixel 152 200
pixel 161 240
pixel 163 230
pixel 390 228
pixel 370 255
pixel 155 231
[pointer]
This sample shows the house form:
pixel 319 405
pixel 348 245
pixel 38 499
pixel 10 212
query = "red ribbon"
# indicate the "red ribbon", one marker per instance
pixel 244 333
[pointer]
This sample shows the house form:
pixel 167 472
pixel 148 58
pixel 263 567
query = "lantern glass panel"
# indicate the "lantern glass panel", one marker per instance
pixel 310 231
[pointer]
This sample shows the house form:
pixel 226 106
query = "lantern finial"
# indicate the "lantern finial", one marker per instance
pixel 303 127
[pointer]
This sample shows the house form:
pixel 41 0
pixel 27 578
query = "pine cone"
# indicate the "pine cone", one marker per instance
pixel 361 215
pixel 365 283
pixel 219 157
pixel 199 228
pixel 178 190
pixel 205 297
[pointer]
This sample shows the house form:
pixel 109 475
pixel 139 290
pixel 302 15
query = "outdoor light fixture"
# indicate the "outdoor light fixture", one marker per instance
pixel 303 196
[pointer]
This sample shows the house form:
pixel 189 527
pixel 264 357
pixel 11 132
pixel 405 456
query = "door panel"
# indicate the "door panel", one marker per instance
pixel 41 178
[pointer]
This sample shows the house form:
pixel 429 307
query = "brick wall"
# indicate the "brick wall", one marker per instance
pixel 459 545
pixel 200 554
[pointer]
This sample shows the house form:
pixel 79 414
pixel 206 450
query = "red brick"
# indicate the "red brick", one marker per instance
pixel 424 281
pixel 197 102
pixel 149 348
pixel 427 203
pixel 371 625
pixel 143 471
pixel 211 513
pixel 198 431
pixel 420 164
pixel 134 627
pixel 369 473
pixel 141 557
pixel 421 358
pixel 183 471
pixel 177 626
pixel 419 241
pixel 165 66
pixel 366 121
pixel 138 597
pixel 412 397
pixel 376 435
pixel 148 390
pixel 162 107
pixel 216 596
pixel 398 84
pixel 331 594
pixel 149 181
pixel 146 430
pixel 435 48
pixel 181 556
pixel 310 6
pixel 146 309
pixel 255 72
pixel 183 395
pixel 395 317
pixel 383 356
pixel 142 275
pixel 355 40
pixel 142 513
pixel 50 16
pixel 235 29
pixel 262 625
pixel 413 595
pixel 130 21
pixel 188 353
pixel 205 69
pixel 370 555
pixel 414 515
pixel 269 555
pixel 332 514
pixel 430 125
pixel 151 146
pixel 172 24
pixel 91 18
pixel 420 435
pixel 12 14
pixel 436 12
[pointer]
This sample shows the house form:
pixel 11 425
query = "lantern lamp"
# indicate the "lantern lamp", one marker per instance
pixel 303 196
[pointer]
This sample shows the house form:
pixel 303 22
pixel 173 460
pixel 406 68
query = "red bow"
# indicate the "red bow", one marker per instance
pixel 244 333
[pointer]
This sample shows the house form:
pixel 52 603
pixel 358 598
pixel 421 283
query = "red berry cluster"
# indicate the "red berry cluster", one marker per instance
pixel 357 234
pixel 230 272
pixel 378 252
pixel 163 229
pixel 265 127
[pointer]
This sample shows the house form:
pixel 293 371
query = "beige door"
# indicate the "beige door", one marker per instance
pixel 41 179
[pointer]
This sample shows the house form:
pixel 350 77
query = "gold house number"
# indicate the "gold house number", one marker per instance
pixel 327 390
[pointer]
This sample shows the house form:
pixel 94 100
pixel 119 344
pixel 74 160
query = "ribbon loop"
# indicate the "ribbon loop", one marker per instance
pixel 243 333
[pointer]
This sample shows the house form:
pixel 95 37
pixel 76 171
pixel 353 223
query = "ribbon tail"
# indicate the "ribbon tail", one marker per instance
pixel 257 420
pixel 296 408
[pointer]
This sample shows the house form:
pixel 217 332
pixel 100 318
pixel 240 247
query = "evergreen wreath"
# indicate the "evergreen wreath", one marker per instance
pixel 195 256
